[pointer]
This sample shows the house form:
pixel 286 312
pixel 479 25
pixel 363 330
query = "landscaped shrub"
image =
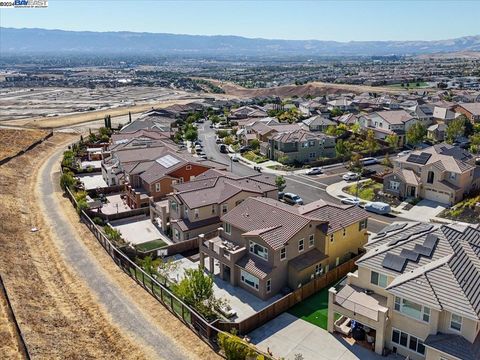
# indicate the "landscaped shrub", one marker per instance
pixel 99 221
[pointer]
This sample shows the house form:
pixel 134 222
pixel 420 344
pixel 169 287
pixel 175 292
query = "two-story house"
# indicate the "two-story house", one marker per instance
pixel 415 293
pixel 300 146
pixel 442 173
pixel 196 207
pixel 318 123
pixel 266 246
pixel 470 110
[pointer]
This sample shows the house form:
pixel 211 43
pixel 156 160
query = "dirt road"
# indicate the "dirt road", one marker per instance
pixel 69 298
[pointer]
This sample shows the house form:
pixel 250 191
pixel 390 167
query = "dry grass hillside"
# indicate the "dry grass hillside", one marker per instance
pixel 12 141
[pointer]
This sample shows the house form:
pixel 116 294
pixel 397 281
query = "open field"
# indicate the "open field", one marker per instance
pixel 12 141
pixel 313 89
pixel 9 347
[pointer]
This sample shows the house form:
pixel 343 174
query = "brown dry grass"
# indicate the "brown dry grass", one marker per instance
pixel 8 339
pixel 12 141
pixel 57 313
pixel 85 117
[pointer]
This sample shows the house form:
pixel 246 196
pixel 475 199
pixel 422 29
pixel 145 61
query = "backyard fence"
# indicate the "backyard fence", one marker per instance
pixel 280 306
pixel 121 215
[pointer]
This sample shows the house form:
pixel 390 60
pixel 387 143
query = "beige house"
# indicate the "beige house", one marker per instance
pixel 196 207
pixel 266 246
pixel 416 293
pixel 442 173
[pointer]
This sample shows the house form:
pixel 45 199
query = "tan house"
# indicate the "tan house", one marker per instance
pixel 196 207
pixel 266 246
pixel 470 110
pixel 415 293
pixel 442 173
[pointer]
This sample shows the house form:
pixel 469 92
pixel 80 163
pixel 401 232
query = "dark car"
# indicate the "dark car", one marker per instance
pixel 368 172
pixel 244 149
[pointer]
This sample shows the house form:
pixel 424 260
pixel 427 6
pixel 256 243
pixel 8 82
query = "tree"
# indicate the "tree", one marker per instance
pixel 475 143
pixel 355 163
pixel 340 148
pixel 355 128
pixel 416 133
pixel 336 112
pixel 195 288
pixel 280 182
pixel 254 144
pixel 67 180
pixel 455 129
pixel 191 132
pixel 392 141
pixel 370 142
pixel 386 161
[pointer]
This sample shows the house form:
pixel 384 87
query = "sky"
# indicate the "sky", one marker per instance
pixel 321 20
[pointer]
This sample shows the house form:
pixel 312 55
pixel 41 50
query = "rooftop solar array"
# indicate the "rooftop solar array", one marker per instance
pixel 167 161
pixel 394 262
pixel 410 254
pixel 421 159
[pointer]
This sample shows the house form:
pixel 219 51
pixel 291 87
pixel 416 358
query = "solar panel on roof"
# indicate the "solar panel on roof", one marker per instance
pixel 394 262
pixel 430 241
pixel 421 159
pixel 167 161
pixel 401 238
pixel 410 254
pixel 423 250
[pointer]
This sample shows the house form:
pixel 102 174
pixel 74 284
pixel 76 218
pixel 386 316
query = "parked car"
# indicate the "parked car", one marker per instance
pixel 314 171
pixel 378 208
pixel 235 158
pixel 369 161
pixel 204 156
pixel 368 172
pixel 244 149
pixel 200 121
pixel 403 153
pixel 218 140
pixel 292 199
pixel 350 176
pixel 223 148
pixel 350 201
pixel 198 150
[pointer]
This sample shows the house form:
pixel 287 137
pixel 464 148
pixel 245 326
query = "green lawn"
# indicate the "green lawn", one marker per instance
pixel 366 191
pixel 250 155
pixel 151 245
pixel 314 309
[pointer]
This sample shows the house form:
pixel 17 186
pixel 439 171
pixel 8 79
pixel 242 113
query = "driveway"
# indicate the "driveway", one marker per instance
pixel 424 211
pixel 287 335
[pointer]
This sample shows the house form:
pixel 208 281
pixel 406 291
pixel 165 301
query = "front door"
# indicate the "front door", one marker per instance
pixel 226 273
pixel 412 191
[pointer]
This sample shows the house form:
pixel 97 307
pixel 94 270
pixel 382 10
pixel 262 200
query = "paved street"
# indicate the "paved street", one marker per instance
pixel 309 188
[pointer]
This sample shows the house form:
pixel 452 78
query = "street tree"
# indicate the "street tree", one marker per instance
pixel 416 133
pixel 280 182
pixel 392 141
pixel 455 129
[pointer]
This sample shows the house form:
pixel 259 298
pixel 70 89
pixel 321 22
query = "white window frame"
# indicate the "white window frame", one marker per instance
pixel 252 245
pixel 157 187
pixel 196 213
pixel 394 185
pixel 244 274
pixel 188 167
pixel 268 286
pixel 180 180
pixel 224 208
pixel 301 245
pixel 173 205
pixel 227 228
pixel 407 346
pixel 214 209
pixel 318 269
pixel 283 253
pixel 455 321
pixel 424 312
pixel 379 276
pixel 311 240
pixel 176 233
pixel 363 224
pixel 331 237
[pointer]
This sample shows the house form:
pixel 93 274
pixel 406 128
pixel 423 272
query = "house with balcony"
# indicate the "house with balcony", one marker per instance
pixel 415 293
pixel 196 207
pixel 266 246
pixel 300 146
pixel 442 173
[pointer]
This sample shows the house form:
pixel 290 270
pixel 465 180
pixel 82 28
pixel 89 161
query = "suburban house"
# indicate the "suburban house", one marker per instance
pixel 310 107
pixel 318 123
pixel 249 111
pixel 342 104
pixel 196 207
pixel 436 132
pixel 347 119
pixel 267 247
pixel 470 110
pixel 149 168
pixel 299 146
pixel 160 120
pixel 415 292
pixel 442 173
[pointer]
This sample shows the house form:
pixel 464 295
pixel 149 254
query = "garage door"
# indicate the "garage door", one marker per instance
pixel 438 196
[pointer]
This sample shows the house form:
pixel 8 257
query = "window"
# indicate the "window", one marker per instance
pixel 412 309
pixel 456 322
pixel 453 176
pixel 188 167
pixel 394 185
pixel 249 279
pixel 269 285
pixel 186 212
pixel 180 180
pixel 362 225
pixel 283 253
pixel 213 209
pixel 173 205
pixel 318 269
pixel 311 240
pixel 259 250
pixel 157 187
pixel 311 143
pixel 196 213
pixel 331 237
pixel 300 245
pixel 408 341
pixel 378 279
pixel 192 177
pixel 228 228
pixel 176 233
pixel 430 177
pixel 344 231
pixel 337 261
pixel 224 208
pixel 312 155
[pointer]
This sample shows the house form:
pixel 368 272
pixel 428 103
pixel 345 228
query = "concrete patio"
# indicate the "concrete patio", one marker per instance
pixel 115 204
pixel 287 335
pixel 92 180
pixel 241 301
pixel 138 230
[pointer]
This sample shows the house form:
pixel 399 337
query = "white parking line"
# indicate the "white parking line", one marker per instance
pixel 304 183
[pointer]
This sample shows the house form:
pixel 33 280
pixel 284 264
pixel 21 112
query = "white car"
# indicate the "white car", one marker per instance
pixel 351 201
pixel 350 176
pixel 314 171
pixel 235 158
pixel 403 153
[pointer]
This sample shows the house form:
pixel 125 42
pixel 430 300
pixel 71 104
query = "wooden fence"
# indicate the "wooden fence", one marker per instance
pixel 280 306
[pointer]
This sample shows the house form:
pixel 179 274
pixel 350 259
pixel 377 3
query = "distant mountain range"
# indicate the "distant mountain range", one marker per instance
pixel 64 42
